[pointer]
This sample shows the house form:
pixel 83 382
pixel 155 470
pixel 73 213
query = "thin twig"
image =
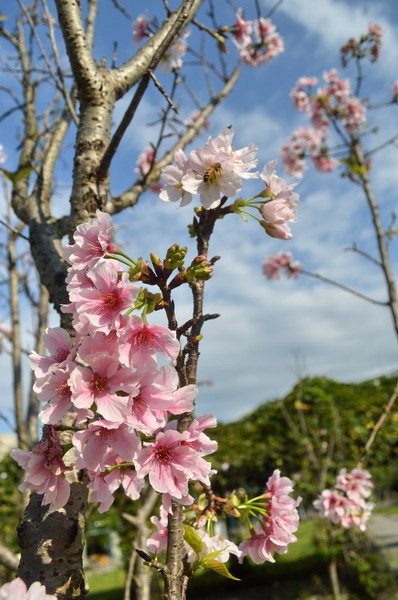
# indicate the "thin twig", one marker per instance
pixel 345 288
pixel 120 7
pixel 274 8
pixel 121 129
pixel 57 76
pixel 161 89
pixel 378 425
pixel 354 248
pixel 16 231
pixel 382 146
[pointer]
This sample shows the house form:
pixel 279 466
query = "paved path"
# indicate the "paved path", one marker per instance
pixel 384 531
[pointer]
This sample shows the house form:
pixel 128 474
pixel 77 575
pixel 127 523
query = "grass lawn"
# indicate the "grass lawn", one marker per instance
pixel 108 586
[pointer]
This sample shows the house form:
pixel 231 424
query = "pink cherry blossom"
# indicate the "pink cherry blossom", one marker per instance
pixel 56 392
pixel 101 436
pixel 100 384
pixel 157 396
pixel 356 484
pixel 168 463
pixel 17 590
pixel 139 342
pixel 60 347
pixel 276 529
pixel 141 29
pixel 347 504
pixel 277 212
pixel 241 30
pixel 158 540
pixel 92 241
pixel 172 175
pixel 283 260
pixel 212 176
pixel 99 308
pixel 173 58
pixel 280 232
pixel 45 470
pixel 332 505
pixel 145 161
pixel 265 46
pixel 243 160
pixel 325 164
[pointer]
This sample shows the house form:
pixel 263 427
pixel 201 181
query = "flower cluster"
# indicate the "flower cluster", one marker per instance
pixel 110 377
pixel 274 512
pixel 257 41
pixel 279 521
pixel 157 542
pixel 215 172
pixel 141 29
pixel 173 58
pixel 17 590
pixel 212 172
pixel 368 45
pixel 346 504
pixel 394 89
pixel 275 263
pixel 332 103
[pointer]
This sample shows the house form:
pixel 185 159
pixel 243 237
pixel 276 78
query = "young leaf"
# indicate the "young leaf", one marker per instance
pixel 220 568
pixel 192 538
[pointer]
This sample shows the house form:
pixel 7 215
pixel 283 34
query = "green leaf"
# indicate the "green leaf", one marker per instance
pixel 211 555
pixel 22 173
pixel 220 568
pixel 18 175
pixel 192 538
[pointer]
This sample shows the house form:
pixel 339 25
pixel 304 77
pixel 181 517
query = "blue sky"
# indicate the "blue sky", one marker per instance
pixel 266 328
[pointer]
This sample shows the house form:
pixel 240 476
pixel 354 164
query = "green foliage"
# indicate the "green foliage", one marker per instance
pixel 10 501
pixel 319 422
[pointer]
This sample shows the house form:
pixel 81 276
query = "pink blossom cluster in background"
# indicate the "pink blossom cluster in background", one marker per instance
pixel 145 161
pixel 368 45
pixel 282 261
pixel 332 103
pixel 346 504
pixel 257 41
pixel 394 88
pixel 173 58
pixel 109 375
pixel 17 590
pixel 141 29
pixel 276 528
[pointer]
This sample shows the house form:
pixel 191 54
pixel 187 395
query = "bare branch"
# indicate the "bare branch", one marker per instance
pixel 8 559
pixel 150 54
pixel 345 288
pixel 62 86
pixel 131 196
pixel 120 7
pixel 85 72
pixel 90 22
pixel 354 248
pixel 161 89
